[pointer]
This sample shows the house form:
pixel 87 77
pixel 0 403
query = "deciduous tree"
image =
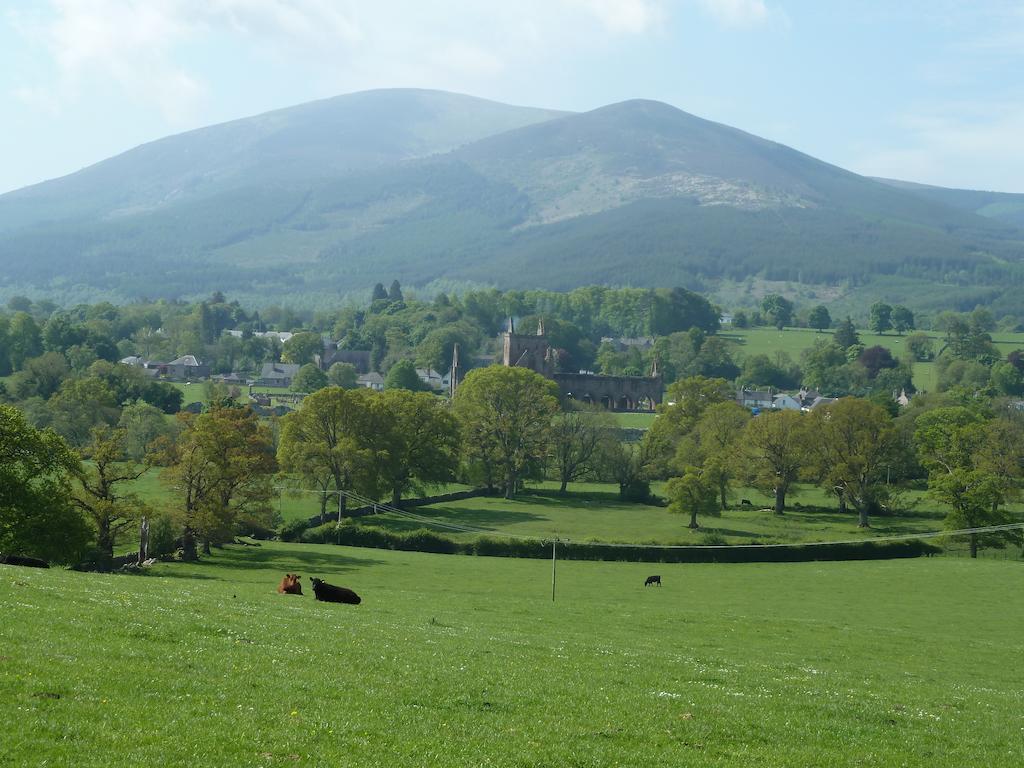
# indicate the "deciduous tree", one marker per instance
pixel 507 412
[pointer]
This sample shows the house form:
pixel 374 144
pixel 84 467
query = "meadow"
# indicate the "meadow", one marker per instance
pixel 466 661
pixel 793 341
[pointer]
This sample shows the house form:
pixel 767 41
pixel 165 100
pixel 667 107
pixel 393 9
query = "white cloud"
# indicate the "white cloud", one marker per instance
pixel 972 145
pixel 134 44
pixel 624 16
pixel 737 13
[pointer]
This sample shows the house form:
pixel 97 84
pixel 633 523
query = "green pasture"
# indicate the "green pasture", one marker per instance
pixel 466 661
pixel 635 420
pixel 593 512
pixel 793 341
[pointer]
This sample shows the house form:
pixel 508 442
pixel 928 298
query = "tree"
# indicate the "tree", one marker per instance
pixel 881 317
pixel 778 310
pixel 402 375
pixel 343 375
pixel 628 465
pixel 846 334
pixel 902 319
pixel 687 400
pixel 920 346
pixel 819 318
pixel 713 445
pixel 309 379
pixel 693 494
pixel 876 358
pixel 507 412
pixel 220 467
pixel 395 292
pixel 855 441
pixel 973 465
pixel 414 438
pixel 24 340
pixel 320 444
pixel 775 447
pixel 379 294
pixel 576 439
pixel 98 490
pixel 40 376
pixel 36 515
pixel 142 424
pixel 302 348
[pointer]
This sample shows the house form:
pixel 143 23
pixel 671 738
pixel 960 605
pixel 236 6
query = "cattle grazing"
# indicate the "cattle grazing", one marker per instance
pixel 745 503
pixel 290 584
pixel 653 580
pixel 332 594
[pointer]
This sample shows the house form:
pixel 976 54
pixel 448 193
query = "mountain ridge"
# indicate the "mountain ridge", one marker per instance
pixel 427 186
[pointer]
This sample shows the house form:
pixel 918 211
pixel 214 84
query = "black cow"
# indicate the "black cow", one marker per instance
pixel 745 503
pixel 329 593
pixel 653 580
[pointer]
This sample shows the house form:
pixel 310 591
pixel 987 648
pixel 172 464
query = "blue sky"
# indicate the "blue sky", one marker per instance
pixel 925 91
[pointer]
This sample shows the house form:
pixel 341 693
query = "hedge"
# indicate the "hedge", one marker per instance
pixel 423 540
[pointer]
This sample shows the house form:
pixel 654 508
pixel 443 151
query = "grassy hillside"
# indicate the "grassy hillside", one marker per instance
pixel 466 661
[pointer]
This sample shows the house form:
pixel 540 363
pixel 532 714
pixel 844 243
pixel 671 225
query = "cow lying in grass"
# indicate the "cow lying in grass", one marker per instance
pixel 332 594
pixel 290 584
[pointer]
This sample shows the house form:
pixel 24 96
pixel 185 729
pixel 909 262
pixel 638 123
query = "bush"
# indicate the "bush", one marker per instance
pixel 293 530
pixel 163 537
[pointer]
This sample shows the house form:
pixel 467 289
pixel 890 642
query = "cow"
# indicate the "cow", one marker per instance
pixel 653 580
pixel 332 594
pixel 290 584
pixel 745 503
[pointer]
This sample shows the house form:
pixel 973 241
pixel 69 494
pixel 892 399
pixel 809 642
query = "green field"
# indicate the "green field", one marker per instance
pixel 793 341
pixel 465 661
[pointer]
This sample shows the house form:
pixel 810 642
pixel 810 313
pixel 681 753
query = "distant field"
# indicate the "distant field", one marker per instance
pixel 635 420
pixel 466 661
pixel 793 341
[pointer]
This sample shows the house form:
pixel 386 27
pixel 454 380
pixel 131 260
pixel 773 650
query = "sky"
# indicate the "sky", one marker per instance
pixel 931 92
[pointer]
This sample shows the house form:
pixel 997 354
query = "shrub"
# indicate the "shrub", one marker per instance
pixel 293 530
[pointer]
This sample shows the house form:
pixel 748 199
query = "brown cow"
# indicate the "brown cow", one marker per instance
pixel 290 584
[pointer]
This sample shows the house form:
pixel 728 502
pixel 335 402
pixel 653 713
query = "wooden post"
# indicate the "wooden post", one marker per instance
pixel 554 560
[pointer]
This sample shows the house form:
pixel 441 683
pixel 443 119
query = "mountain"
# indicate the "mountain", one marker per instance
pixel 1002 206
pixel 303 204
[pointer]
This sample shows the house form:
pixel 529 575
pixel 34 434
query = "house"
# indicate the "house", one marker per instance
pixel 185 368
pixel 806 397
pixel 903 398
pixel 431 378
pixel 371 380
pixel 133 360
pixel 820 401
pixel 278 374
pixel 230 379
pixel 755 398
pixel 628 342
pixel 784 402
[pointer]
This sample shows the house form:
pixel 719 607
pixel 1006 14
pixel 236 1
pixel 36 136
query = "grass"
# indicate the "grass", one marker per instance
pixel 794 340
pixel 466 661
pixel 593 512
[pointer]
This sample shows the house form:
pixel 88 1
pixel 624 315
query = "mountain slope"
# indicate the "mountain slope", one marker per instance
pixel 306 203
pixel 297 145
pixel 1007 207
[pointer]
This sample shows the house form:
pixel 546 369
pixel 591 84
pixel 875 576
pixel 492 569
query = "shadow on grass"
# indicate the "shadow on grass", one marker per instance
pixel 231 559
pixel 477 517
